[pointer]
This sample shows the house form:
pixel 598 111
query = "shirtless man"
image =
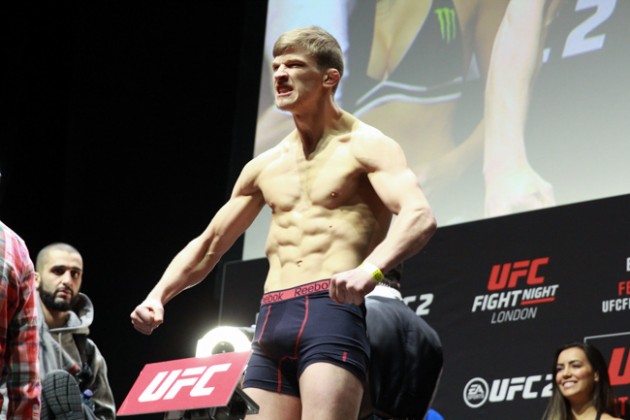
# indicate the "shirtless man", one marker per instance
pixel 333 185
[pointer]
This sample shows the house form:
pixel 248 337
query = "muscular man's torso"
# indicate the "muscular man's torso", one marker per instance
pixel 326 216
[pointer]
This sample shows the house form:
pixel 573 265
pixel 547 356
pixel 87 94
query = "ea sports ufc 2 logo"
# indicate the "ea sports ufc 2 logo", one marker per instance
pixel 166 385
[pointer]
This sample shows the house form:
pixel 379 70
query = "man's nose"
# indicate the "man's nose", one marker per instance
pixel 280 72
pixel 66 278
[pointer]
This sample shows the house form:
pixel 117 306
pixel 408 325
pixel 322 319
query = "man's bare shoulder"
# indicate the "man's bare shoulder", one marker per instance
pixel 362 131
pixel 371 145
pixel 258 163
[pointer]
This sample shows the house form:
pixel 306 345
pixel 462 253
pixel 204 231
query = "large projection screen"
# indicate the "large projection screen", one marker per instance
pixel 538 118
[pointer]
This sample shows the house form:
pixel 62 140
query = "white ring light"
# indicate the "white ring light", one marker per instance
pixel 226 337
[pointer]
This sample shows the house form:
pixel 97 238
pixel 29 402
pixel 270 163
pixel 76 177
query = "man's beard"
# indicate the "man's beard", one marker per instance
pixel 48 299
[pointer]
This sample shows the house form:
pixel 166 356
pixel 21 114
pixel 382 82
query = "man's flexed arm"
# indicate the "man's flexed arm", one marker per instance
pixel 398 188
pixel 195 261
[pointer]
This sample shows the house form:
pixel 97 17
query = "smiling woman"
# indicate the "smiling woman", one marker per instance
pixel 581 388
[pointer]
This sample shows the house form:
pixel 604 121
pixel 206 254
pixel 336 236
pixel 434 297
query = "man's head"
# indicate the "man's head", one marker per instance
pixel 317 42
pixel 60 272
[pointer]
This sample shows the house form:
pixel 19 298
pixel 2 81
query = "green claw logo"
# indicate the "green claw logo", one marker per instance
pixel 448 23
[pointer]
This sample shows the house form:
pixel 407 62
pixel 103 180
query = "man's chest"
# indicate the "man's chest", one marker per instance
pixel 329 180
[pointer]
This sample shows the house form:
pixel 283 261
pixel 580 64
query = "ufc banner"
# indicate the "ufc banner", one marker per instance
pixel 185 384
pixel 503 294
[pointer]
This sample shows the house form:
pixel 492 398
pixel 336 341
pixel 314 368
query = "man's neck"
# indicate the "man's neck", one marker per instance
pixel 55 319
pixel 312 128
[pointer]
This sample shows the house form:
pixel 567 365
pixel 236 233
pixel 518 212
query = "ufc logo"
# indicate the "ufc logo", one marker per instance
pixel 506 276
pixel 507 389
pixel 619 371
pixel 166 385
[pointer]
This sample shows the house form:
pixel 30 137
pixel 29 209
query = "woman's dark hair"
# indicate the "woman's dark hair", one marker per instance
pixel 559 408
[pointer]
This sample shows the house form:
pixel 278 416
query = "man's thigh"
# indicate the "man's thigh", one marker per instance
pixel 274 406
pixel 330 392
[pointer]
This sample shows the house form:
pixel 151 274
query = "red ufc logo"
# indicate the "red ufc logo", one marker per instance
pixel 619 371
pixel 506 276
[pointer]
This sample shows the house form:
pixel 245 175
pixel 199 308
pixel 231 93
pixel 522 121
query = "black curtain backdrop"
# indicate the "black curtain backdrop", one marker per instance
pixel 120 133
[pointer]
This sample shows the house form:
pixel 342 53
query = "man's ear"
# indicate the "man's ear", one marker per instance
pixel 37 279
pixel 331 77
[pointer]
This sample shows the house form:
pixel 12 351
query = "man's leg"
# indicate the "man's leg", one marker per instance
pixel 330 392
pixel 274 406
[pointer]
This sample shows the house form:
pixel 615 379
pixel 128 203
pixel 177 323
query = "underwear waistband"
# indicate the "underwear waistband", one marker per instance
pixel 297 291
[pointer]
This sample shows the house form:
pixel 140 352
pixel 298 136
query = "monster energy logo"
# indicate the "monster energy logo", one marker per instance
pixel 448 23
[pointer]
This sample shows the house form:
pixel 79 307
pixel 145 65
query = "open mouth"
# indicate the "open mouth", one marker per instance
pixel 283 90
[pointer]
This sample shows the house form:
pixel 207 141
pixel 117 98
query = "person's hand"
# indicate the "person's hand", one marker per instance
pixel 520 189
pixel 351 286
pixel 147 316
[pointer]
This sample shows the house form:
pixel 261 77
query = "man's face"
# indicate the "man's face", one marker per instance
pixel 295 77
pixel 60 280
